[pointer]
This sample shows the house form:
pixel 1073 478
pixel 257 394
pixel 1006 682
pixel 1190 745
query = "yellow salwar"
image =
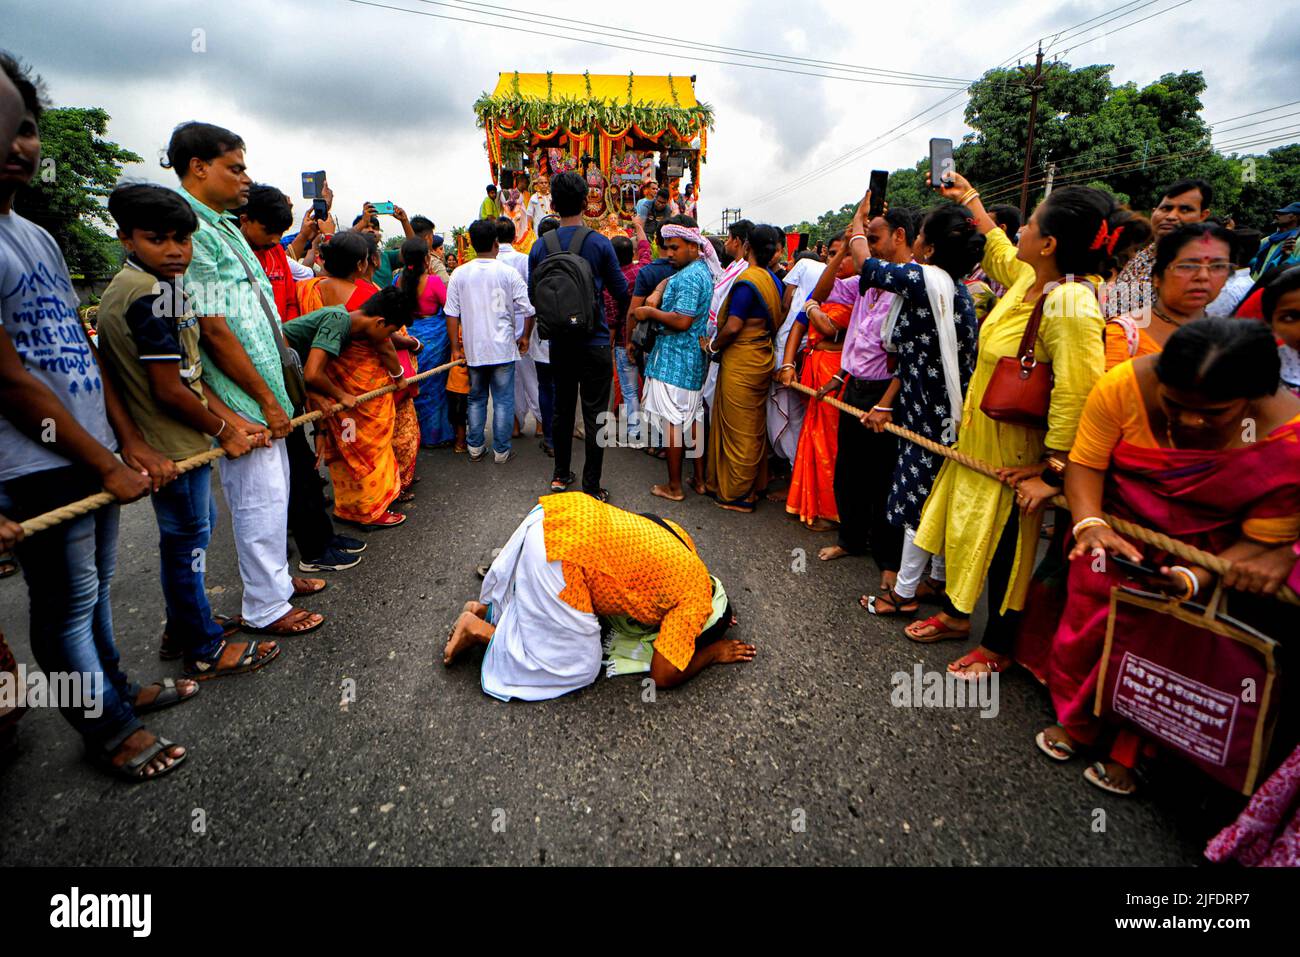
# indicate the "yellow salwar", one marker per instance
pixel 966 511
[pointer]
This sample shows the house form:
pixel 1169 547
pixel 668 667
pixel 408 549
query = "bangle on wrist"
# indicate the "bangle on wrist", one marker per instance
pixel 785 365
pixel 217 434
pixel 1193 583
pixel 1092 521
pixel 856 236
pixel 713 351
pixel 882 408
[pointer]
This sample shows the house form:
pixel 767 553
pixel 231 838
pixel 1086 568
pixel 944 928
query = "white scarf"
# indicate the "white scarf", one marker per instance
pixel 941 291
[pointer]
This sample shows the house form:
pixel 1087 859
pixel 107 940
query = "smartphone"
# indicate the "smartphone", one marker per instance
pixel 313 185
pixel 941 165
pixel 383 209
pixel 1136 570
pixel 319 209
pixel 879 186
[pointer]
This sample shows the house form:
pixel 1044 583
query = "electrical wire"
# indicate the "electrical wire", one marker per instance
pixel 645 49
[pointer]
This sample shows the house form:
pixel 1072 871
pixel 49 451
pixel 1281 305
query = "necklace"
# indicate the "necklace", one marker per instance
pixel 1172 322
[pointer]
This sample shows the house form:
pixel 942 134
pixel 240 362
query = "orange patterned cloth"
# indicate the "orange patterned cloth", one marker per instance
pixel 812 480
pixel 619 563
pixel 406 441
pixel 357 444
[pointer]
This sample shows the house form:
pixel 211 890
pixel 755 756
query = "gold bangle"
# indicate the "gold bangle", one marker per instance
pixel 971 193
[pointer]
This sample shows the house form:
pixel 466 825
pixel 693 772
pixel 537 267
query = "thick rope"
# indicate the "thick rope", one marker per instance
pixel 91 502
pixel 1145 535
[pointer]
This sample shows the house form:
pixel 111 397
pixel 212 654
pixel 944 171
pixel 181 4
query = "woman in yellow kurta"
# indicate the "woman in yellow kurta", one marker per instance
pixel 988 529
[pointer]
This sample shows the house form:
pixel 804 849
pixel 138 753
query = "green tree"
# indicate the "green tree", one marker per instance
pixel 1132 141
pixel 394 242
pixel 78 170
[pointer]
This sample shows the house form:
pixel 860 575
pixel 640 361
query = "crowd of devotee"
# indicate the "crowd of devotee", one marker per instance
pixel 1143 369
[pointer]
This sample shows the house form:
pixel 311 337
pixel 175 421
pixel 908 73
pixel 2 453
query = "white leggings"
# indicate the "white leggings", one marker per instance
pixel 912 567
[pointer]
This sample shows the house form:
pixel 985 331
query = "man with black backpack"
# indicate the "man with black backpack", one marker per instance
pixel 568 269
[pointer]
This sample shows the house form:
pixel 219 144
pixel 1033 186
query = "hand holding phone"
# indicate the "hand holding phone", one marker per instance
pixel 383 209
pixel 313 185
pixel 879 184
pixel 941 163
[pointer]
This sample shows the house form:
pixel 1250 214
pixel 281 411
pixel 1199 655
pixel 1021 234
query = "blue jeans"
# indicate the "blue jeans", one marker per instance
pixel 546 400
pixel 627 382
pixel 186 512
pixel 500 379
pixel 69 569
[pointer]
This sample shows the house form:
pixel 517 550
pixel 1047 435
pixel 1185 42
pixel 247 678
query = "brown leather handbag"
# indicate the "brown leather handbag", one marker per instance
pixel 1020 391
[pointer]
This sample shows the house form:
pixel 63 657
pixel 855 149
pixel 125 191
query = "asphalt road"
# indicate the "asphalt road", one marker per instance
pixel 796 758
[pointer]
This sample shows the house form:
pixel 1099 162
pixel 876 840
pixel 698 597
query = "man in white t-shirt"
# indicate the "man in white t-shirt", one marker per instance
pixel 525 367
pixel 483 298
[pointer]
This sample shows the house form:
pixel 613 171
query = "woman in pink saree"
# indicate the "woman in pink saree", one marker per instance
pixel 1197 442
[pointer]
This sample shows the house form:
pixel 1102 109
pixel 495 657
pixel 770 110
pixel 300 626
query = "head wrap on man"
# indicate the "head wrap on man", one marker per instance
pixel 673 231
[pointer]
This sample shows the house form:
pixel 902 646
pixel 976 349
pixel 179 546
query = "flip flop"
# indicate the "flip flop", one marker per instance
pixel 976 657
pixel 942 632
pixel 1095 774
pixel 1056 750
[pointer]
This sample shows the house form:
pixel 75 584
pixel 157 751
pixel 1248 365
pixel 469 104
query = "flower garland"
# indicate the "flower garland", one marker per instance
pixel 510 114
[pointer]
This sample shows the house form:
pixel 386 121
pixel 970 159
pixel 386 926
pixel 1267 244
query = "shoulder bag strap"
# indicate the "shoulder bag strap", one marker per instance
pixel 576 241
pixel 287 355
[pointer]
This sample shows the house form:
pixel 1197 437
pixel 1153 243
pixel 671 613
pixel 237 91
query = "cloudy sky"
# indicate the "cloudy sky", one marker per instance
pixel 381 98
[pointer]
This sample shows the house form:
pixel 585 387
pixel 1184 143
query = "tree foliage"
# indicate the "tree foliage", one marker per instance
pixel 67 196
pixel 1130 140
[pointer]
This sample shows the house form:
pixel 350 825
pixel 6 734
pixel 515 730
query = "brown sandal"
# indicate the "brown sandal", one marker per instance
pixel 233 658
pixel 308 586
pixel 169 652
pixel 288 624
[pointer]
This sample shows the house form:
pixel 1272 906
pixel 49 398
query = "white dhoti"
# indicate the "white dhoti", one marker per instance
pixel 785 407
pixel 542 647
pixel 670 404
pixel 526 389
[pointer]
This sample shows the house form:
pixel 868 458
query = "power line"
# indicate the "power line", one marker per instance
pixel 645 49
pixel 1131 23
pixel 587 26
pixel 840 161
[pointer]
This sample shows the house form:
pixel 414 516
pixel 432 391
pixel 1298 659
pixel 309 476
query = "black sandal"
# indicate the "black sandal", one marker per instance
pixel 170 695
pixel 561 482
pixel 229 626
pixel 600 495
pixel 894 598
pixel 134 769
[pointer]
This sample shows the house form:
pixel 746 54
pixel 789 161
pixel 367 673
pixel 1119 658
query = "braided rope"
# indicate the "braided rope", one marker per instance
pixel 1145 535
pixel 81 507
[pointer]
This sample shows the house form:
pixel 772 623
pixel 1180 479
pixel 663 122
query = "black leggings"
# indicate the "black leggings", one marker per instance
pixel 1000 632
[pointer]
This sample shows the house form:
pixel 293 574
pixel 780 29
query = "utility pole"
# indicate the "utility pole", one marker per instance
pixel 729 216
pixel 1035 87
pixel 1051 175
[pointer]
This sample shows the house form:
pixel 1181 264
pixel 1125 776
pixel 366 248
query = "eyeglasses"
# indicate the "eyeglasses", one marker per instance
pixel 1188 270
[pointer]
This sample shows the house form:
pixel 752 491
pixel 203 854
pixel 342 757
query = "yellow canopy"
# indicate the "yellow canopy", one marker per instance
pixel 611 88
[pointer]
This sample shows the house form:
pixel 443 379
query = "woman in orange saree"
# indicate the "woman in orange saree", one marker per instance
pixel 812 481
pixel 1161 444
pixel 356 444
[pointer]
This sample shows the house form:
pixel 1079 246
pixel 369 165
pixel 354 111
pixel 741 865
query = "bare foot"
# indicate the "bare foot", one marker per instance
pixel 476 608
pixel 730 650
pixel 470 630
pixel 832 552
pixel 697 486
pixel 667 491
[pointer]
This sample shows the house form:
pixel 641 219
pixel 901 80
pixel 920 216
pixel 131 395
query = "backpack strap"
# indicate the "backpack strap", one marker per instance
pixel 662 524
pixel 576 241
pixel 552 241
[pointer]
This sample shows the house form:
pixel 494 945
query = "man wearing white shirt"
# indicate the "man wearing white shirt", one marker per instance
pixel 483 299
pixel 525 367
